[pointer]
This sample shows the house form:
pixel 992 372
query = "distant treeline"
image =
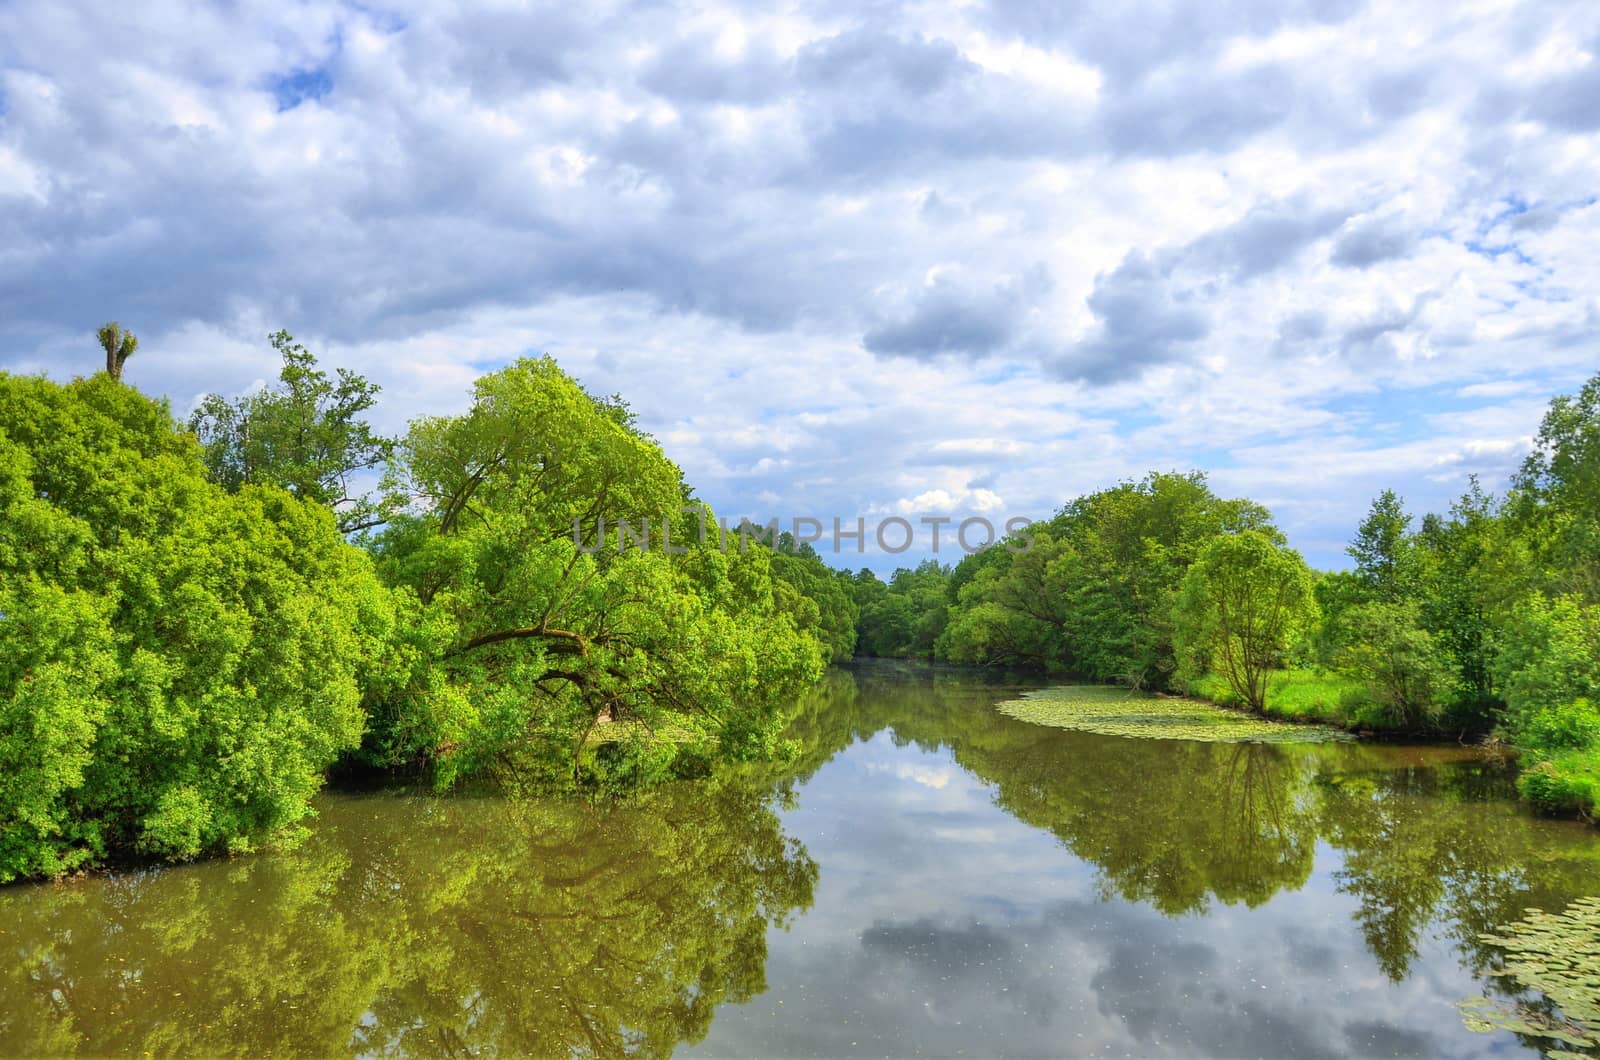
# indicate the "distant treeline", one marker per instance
pixel 1484 619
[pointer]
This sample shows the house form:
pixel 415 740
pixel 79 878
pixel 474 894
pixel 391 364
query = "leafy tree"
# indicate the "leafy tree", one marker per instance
pixel 820 587
pixel 1466 576
pixel 1244 602
pixel 1549 656
pixel 177 665
pixel 308 434
pixel 562 665
pixel 118 345
pixel 1094 593
pixel 1385 558
pixel 1405 672
pixel 904 617
pixel 1556 494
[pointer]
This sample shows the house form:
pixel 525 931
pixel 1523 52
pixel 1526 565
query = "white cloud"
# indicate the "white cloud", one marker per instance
pixel 845 260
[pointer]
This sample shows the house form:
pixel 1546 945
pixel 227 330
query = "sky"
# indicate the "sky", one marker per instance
pixel 846 259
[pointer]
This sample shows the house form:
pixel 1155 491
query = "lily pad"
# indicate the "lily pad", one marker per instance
pixel 1111 711
pixel 1558 955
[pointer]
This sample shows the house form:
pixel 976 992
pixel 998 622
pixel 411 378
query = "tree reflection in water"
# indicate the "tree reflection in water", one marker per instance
pixel 414 925
pixel 446 926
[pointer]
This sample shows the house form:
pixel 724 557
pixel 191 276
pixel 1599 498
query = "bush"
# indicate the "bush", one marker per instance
pixel 1567 783
pixel 1571 727
pixel 177 665
pixel 1398 661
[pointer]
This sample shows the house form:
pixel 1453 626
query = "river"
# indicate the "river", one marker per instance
pixel 927 877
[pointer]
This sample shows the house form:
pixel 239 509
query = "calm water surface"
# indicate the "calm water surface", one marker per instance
pixel 930 877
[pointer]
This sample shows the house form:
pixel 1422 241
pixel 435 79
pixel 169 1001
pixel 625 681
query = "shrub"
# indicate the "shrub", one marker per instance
pixel 177 665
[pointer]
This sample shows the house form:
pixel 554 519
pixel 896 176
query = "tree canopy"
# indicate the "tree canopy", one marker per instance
pixel 178 665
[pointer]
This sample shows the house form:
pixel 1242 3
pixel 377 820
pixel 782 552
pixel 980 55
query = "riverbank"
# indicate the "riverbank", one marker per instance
pixel 1561 777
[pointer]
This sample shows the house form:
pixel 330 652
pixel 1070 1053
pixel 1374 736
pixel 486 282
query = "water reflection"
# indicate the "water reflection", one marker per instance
pixel 987 886
pixel 1218 900
pixel 418 926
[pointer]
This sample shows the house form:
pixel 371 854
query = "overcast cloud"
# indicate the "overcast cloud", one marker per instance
pixel 846 258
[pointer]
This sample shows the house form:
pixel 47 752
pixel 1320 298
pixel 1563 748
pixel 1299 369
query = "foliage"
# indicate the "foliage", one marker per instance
pixel 1094 594
pixel 904 617
pixel 308 435
pixel 1399 663
pixel 817 586
pixel 1557 954
pixel 1112 711
pixel 1549 656
pixel 1556 494
pixel 522 647
pixel 177 665
pixel 1468 570
pixel 1243 603
pixel 1563 782
pixel 1385 554
pixel 118 345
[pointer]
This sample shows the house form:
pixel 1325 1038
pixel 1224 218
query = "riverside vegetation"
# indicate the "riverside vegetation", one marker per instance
pixel 199 621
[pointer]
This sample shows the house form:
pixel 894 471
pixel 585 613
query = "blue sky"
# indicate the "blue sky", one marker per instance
pixel 847 259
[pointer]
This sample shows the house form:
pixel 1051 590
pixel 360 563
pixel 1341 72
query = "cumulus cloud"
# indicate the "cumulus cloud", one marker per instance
pixel 847 234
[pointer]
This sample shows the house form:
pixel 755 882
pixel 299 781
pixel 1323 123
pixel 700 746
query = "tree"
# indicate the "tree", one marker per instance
pixel 1243 603
pixel 1555 497
pixel 1383 551
pixel 560 665
pixel 1093 594
pixel 177 665
pixel 819 587
pixel 118 345
pixel 308 434
pixel 1402 666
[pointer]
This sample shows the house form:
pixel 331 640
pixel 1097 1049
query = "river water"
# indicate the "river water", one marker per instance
pixel 927 877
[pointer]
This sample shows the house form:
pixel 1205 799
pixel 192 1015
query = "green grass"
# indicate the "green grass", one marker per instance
pixel 1115 711
pixel 1566 782
pixel 1300 695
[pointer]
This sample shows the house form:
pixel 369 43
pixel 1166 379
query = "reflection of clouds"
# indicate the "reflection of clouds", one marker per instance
pixel 927 776
pixel 918 946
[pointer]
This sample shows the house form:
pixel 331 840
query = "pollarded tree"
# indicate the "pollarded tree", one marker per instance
pixel 569 664
pixel 118 345
pixel 177 665
pixel 1244 602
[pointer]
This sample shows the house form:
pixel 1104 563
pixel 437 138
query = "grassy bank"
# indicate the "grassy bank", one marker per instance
pixel 1303 695
pixel 1562 776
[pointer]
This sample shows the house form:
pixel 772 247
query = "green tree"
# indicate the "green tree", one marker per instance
pixel 1405 672
pixel 820 587
pixel 308 434
pixel 1467 575
pixel 1244 602
pixel 177 665
pixel 1385 557
pixel 1556 494
pixel 557 663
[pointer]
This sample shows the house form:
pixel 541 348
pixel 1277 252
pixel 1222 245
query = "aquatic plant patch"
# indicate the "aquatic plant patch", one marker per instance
pixel 1113 711
pixel 1557 954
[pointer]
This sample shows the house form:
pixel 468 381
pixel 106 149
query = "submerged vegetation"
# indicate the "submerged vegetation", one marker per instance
pixel 198 622
pixel 1112 711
